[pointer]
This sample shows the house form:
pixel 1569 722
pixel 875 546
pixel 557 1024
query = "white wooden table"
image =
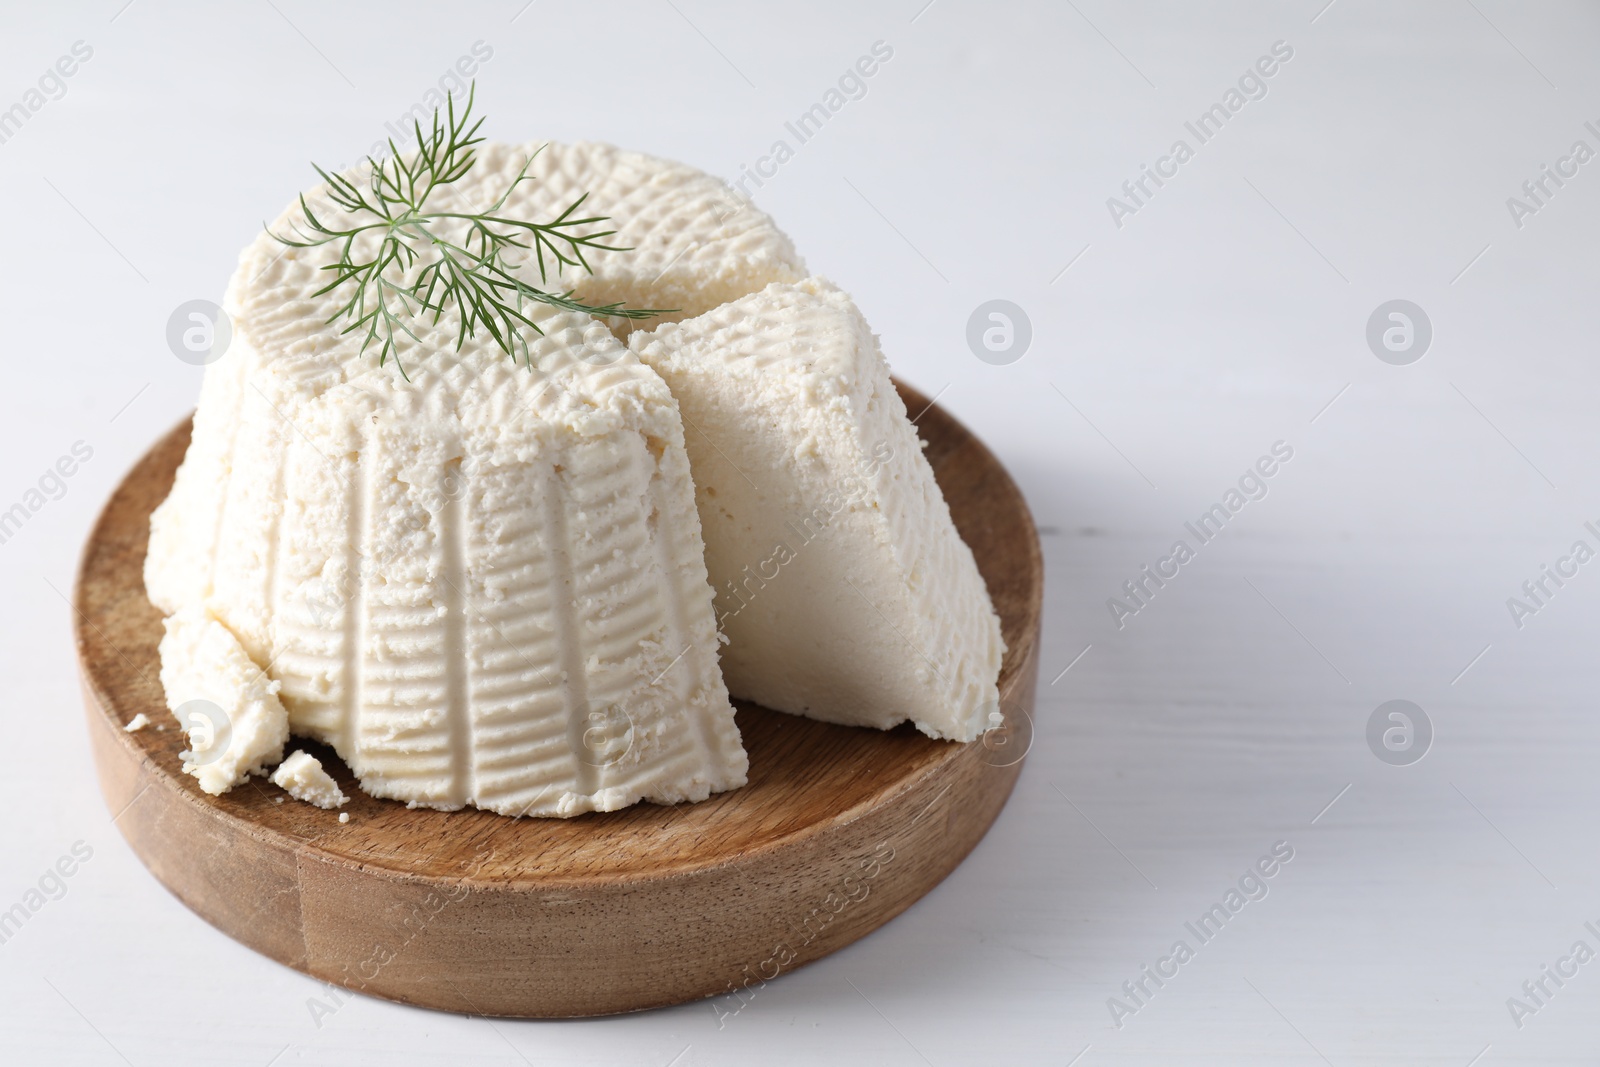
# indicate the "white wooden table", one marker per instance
pixel 1175 340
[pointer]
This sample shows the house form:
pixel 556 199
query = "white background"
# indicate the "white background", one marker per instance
pixel 1227 314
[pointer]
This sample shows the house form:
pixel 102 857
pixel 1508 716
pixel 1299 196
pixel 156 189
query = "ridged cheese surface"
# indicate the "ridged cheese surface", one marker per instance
pixel 485 585
pixel 844 590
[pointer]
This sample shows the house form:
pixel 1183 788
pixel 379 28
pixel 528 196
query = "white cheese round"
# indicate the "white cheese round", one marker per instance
pixel 484 585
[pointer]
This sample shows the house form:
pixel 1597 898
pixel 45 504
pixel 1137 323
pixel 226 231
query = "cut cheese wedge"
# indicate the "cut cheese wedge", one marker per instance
pixel 484 585
pixel 843 588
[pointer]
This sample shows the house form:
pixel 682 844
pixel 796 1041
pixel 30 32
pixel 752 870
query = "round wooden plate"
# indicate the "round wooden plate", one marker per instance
pixel 838 831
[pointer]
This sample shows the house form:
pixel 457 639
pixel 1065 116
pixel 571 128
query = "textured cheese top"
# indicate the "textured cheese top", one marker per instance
pixel 842 586
pixel 694 244
pixel 484 585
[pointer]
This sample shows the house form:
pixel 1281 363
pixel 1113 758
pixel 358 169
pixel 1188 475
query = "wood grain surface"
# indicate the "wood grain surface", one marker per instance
pixel 839 829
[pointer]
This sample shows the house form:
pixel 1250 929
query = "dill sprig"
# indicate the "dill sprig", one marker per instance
pixel 470 272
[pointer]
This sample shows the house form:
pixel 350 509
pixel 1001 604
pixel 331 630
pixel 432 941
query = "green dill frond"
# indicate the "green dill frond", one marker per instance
pixel 471 274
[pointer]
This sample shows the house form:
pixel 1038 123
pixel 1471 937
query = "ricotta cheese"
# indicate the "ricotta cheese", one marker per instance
pixel 842 586
pixel 137 723
pixel 228 706
pixel 303 777
pixel 484 585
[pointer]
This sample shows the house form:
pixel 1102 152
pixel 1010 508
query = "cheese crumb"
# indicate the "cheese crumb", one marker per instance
pixel 137 723
pixel 228 706
pixel 344 816
pixel 304 779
